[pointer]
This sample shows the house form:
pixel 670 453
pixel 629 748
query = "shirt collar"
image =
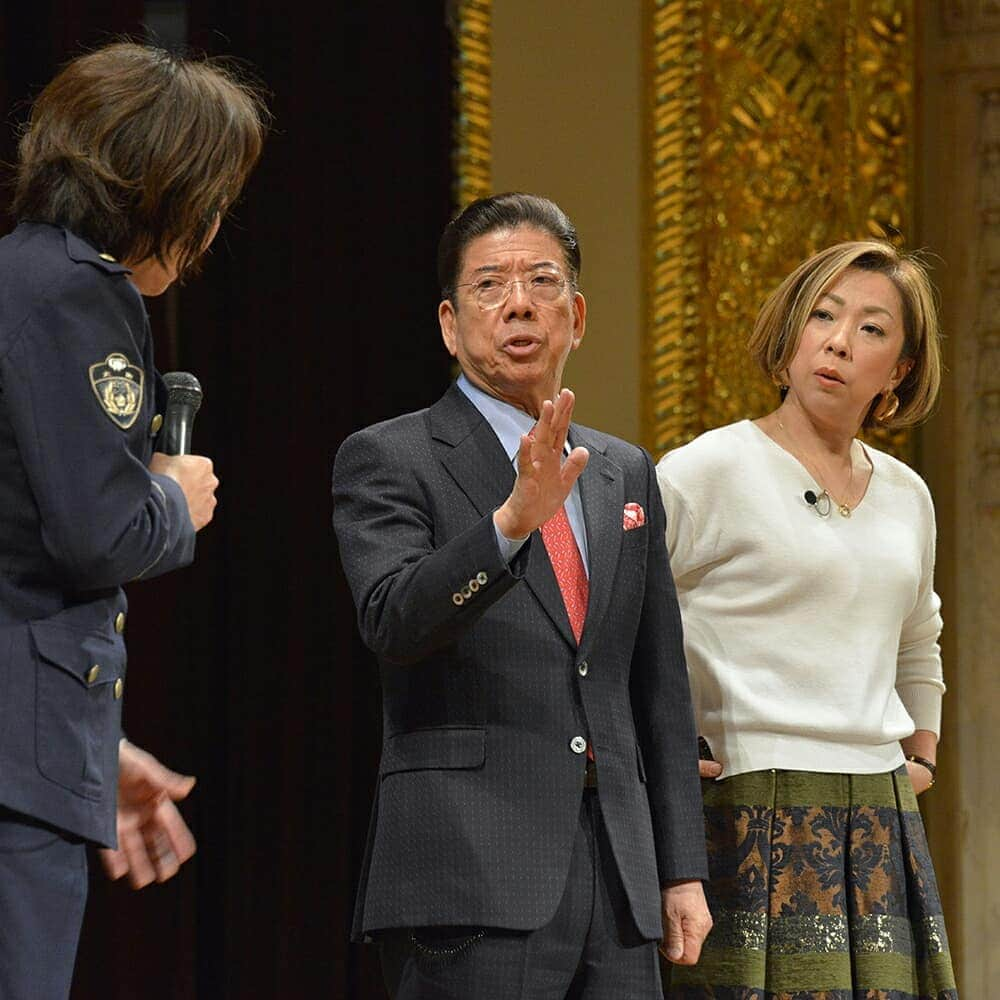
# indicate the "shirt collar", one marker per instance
pixel 507 422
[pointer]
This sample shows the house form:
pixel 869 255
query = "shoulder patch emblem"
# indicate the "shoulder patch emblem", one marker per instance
pixel 118 386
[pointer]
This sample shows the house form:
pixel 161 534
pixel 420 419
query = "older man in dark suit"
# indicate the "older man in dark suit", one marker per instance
pixel 537 824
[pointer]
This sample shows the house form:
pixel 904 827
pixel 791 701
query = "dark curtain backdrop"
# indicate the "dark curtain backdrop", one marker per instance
pixel 316 314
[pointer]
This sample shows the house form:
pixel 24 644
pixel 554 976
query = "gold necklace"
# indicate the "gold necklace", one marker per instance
pixel 843 508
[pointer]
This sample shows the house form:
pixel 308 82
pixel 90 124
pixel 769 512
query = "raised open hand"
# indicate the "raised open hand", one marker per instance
pixel 544 478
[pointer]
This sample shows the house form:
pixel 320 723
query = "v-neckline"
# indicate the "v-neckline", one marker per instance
pixel 801 465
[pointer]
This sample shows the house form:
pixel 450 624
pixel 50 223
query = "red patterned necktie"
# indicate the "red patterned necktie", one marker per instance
pixel 568 565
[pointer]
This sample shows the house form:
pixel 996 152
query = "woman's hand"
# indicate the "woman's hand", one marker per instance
pixel 920 777
pixel 923 743
pixel 708 766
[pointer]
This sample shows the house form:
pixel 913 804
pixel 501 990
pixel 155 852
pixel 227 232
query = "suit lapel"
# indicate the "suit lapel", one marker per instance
pixel 476 459
pixel 602 492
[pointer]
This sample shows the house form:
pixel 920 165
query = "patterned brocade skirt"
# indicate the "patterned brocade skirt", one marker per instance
pixel 821 888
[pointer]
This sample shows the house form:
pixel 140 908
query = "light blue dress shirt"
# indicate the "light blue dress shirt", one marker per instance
pixel 509 423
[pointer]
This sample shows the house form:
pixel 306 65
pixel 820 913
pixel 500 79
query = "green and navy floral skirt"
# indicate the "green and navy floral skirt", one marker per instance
pixel 821 888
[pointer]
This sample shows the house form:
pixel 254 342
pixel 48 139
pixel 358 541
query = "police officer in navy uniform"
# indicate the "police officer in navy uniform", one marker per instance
pixel 130 160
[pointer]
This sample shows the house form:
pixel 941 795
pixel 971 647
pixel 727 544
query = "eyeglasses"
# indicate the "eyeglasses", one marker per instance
pixel 490 292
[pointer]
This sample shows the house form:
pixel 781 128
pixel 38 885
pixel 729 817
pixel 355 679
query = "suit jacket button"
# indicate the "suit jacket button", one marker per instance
pixel 583 668
pixel 473 585
pixel 120 622
pixel 578 744
pixel 482 578
pixel 93 673
pixel 119 688
pixel 466 592
pixel 458 599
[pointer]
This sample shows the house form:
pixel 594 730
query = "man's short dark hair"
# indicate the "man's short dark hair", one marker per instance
pixel 504 211
pixel 137 150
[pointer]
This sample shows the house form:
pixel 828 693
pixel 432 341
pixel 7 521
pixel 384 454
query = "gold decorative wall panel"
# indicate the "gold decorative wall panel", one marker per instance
pixel 472 140
pixel 773 130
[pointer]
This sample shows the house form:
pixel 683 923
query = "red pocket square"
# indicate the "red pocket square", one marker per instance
pixel 633 516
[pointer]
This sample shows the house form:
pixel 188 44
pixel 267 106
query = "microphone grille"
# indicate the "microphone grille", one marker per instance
pixel 183 387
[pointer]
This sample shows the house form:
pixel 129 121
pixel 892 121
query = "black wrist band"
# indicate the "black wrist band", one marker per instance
pixel 924 762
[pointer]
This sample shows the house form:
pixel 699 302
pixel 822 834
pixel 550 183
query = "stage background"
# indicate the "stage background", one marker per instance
pixel 316 315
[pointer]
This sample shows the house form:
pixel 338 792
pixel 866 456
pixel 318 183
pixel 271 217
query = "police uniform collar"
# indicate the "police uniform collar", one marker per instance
pixel 82 252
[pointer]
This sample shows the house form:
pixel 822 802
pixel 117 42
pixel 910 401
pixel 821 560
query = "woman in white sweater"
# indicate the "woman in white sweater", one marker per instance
pixel 804 565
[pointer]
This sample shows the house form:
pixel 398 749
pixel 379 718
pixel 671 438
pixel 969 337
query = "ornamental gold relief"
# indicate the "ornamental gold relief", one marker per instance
pixel 472 149
pixel 773 130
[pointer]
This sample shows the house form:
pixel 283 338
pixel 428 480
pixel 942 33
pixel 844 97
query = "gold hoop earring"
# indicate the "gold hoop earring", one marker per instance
pixel 886 408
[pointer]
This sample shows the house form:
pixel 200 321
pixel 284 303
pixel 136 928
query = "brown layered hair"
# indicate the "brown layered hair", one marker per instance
pixel 780 323
pixel 137 150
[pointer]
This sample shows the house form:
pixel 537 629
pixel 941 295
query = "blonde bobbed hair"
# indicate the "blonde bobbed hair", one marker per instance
pixel 778 329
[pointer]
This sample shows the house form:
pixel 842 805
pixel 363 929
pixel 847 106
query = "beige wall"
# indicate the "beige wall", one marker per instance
pixel 959 222
pixel 567 77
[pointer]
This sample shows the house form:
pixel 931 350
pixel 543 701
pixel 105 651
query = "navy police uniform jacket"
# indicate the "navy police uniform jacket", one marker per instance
pixel 80 515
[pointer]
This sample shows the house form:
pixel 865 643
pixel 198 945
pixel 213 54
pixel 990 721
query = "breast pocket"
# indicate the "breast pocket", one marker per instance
pixel 79 684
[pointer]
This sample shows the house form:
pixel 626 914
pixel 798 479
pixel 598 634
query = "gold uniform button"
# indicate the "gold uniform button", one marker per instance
pixel 119 688
pixel 107 257
pixel 120 622
pixel 156 423
pixel 93 673
pixel 473 585
pixel 482 578
pixel 458 599
pixel 466 592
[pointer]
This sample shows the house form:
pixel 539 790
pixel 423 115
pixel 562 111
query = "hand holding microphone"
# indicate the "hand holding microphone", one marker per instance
pixel 184 397
pixel 193 473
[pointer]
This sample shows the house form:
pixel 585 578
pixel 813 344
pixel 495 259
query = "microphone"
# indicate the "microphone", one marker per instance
pixel 183 399
pixel 820 502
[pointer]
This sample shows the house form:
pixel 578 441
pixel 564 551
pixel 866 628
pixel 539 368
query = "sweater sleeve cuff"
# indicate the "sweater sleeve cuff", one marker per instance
pixel 923 702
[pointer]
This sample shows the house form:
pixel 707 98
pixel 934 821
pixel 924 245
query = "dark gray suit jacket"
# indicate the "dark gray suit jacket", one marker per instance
pixel 479 789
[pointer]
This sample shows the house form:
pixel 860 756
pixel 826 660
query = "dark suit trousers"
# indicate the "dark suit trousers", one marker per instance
pixel 590 950
pixel 43 892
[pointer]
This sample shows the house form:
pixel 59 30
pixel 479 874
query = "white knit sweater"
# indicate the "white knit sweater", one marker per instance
pixel 811 642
